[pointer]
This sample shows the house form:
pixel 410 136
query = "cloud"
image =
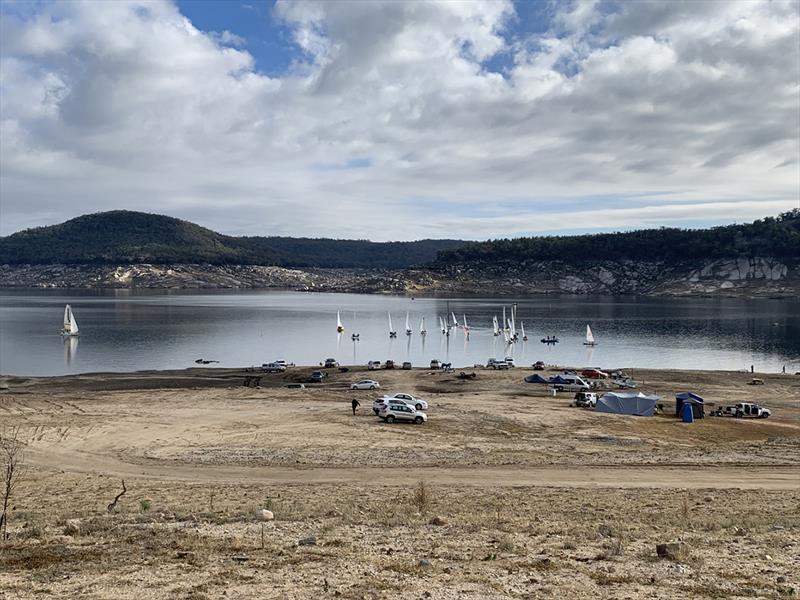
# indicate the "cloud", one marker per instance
pixel 390 114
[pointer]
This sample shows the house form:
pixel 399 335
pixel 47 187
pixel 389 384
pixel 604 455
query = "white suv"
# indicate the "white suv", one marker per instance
pixel 401 412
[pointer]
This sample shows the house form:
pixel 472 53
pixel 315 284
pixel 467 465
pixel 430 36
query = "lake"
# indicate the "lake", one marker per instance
pixel 128 330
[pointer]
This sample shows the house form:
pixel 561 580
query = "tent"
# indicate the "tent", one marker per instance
pixel 619 403
pixel 697 402
pixel 536 378
pixel 558 379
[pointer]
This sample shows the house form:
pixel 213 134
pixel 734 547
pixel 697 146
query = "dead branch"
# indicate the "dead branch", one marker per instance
pixel 12 461
pixel 113 505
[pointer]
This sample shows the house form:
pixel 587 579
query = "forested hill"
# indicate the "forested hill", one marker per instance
pixel 775 237
pixel 125 237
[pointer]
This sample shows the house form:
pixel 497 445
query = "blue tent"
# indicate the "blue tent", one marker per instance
pixel 536 378
pixel 558 379
pixel 697 403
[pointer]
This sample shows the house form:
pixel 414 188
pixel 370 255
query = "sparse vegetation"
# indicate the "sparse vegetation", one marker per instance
pixel 421 498
pixel 12 463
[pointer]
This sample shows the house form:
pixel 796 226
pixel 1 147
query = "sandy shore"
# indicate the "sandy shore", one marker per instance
pixel 524 496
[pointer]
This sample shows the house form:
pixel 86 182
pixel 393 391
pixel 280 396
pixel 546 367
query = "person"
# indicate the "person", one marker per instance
pixel 751 368
pixel 355 403
pixel 784 369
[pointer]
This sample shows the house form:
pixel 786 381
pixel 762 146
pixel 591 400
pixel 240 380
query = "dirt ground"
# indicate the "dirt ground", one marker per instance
pixel 506 492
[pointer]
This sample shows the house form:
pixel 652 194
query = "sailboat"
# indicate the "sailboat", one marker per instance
pixel 466 327
pixel 339 326
pixel 441 325
pixel 522 330
pixel 70 327
pixel 355 336
pixel 408 326
pixel 455 321
pixel 495 326
pixel 392 332
pixel 589 337
pixel 422 330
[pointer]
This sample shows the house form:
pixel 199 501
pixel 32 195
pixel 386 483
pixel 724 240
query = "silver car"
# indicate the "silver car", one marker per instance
pixel 412 401
pixel 401 412
pixel 365 384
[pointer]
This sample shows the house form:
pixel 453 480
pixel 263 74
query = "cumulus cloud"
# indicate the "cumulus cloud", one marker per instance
pixel 392 123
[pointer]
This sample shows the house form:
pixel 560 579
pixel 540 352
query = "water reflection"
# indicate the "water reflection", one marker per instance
pixel 133 330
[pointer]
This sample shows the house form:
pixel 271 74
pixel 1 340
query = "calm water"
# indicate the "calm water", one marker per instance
pixel 124 330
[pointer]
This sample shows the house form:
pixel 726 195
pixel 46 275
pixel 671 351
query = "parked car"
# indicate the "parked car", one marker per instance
pixel 374 365
pixel 594 374
pixel 572 383
pixel 744 410
pixel 406 366
pixel 389 364
pixel 417 403
pixel 283 362
pixel 382 401
pixel 435 364
pixel 538 365
pixel 493 363
pixel 273 368
pixel 365 384
pixel 586 399
pixel 330 363
pixel 509 360
pixel 316 377
pixel 295 386
pixel 400 412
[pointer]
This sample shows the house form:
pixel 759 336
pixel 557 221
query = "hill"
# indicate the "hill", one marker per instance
pixel 123 237
pixel 774 237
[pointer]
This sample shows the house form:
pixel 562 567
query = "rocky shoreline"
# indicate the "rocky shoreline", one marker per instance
pixel 751 277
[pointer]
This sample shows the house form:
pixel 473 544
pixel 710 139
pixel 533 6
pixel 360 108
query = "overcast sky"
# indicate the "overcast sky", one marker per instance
pixel 401 120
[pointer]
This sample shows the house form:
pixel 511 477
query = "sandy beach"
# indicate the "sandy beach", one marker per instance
pixel 506 492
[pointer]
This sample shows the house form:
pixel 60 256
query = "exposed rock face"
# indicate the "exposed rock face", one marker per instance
pixel 746 277
pixel 751 277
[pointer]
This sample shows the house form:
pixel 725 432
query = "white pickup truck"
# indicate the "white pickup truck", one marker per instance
pixel 743 410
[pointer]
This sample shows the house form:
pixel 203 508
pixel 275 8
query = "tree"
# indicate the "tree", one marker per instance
pixel 12 462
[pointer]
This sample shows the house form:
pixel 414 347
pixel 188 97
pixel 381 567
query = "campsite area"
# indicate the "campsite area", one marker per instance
pixel 506 491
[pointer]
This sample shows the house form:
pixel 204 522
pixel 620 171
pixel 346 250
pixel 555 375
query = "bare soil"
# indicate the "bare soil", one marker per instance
pixel 506 492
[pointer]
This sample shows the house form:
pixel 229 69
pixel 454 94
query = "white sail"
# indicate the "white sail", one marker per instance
pixel 466 327
pixel 441 324
pixel 522 330
pixel 339 326
pixel 495 326
pixel 391 329
pixel 408 325
pixel 455 321
pixel 504 319
pixel 589 337
pixel 70 326
pixel 422 330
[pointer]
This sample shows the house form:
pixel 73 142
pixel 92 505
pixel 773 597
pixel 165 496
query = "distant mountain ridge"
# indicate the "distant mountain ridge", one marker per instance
pixel 773 237
pixel 127 237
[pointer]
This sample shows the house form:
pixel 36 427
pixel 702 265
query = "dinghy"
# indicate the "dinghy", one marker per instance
pixel 392 332
pixel 339 326
pixel 522 330
pixel 589 337
pixel 70 328
pixel 408 326
pixel 422 330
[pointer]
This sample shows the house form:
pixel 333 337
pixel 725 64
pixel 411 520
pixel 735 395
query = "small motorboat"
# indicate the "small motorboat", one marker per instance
pixel 549 340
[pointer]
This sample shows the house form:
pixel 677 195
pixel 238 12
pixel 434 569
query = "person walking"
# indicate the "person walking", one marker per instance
pixel 355 404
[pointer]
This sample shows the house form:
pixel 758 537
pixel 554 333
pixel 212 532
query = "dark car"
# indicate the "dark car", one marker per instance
pixel 538 365
pixel 316 377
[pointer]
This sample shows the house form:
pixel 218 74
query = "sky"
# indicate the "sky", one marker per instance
pixel 401 120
